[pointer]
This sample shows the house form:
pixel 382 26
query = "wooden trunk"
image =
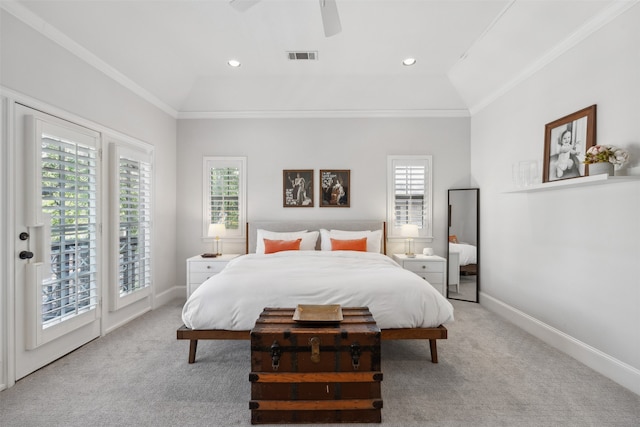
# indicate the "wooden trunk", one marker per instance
pixel 315 373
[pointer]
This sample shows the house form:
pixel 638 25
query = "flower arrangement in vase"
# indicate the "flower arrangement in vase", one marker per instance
pixel 602 158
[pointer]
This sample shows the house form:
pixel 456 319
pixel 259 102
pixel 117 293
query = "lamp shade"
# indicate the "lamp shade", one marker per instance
pixel 216 230
pixel 409 230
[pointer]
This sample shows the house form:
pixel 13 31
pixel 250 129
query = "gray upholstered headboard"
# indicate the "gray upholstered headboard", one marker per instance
pixel 313 225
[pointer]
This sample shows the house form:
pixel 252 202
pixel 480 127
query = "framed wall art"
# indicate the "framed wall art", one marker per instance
pixel 566 141
pixel 297 188
pixel 335 188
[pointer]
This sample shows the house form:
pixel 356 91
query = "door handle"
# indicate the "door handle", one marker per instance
pixel 26 255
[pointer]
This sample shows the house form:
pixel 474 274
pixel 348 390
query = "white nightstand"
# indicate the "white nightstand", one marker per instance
pixel 432 268
pixel 200 269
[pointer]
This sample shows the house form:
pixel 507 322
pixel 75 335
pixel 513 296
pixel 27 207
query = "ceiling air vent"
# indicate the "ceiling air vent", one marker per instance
pixel 303 56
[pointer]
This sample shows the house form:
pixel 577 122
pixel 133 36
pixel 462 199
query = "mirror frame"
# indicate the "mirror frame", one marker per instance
pixel 477 191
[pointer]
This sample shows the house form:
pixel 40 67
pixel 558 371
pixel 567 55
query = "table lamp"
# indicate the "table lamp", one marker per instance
pixel 409 231
pixel 217 231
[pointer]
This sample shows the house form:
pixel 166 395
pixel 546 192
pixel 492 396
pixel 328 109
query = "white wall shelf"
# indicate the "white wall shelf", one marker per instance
pixel 575 182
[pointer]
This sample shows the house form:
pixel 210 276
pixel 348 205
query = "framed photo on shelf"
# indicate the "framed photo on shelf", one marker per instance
pixel 566 141
pixel 297 188
pixel 335 188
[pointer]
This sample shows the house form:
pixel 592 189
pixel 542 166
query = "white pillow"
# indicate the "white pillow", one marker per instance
pixel 308 243
pixel 374 238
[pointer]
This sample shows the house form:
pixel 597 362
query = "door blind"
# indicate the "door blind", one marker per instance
pixel 134 265
pixel 69 203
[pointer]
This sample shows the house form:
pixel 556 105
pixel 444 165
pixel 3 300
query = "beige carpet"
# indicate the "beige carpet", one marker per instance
pixel 490 374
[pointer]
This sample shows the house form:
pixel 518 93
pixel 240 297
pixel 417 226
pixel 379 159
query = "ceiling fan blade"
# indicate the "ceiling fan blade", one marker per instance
pixel 330 17
pixel 242 5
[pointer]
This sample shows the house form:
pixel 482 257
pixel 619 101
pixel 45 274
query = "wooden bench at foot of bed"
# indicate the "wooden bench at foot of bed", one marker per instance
pixel 193 335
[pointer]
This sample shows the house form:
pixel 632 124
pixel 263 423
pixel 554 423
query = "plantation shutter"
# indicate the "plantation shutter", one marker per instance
pixel 133 200
pixel 69 203
pixel 409 193
pixel 225 194
pixel 224 198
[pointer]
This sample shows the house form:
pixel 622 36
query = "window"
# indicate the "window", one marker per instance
pixel 224 198
pixel 131 207
pixel 409 198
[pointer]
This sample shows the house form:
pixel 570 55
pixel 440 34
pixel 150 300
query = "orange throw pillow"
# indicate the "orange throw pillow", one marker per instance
pixel 349 245
pixel 453 239
pixel 273 246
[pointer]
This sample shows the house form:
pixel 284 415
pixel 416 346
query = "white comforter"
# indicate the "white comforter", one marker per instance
pixel 468 253
pixel 234 298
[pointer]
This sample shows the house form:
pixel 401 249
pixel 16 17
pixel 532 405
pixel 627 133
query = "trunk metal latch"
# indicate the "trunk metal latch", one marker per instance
pixel 275 355
pixel 315 349
pixel 356 351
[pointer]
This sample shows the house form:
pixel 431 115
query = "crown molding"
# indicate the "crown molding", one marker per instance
pixel 615 9
pixel 38 24
pixel 324 114
pixel 53 34
pixel 34 103
pixel 29 18
pixel 32 20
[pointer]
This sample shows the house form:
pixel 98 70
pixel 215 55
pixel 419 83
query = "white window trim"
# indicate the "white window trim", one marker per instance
pixel 6 270
pixel 241 163
pixel 137 151
pixel 393 231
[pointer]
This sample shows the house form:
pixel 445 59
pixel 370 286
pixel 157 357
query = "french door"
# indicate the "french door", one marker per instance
pixel 57 217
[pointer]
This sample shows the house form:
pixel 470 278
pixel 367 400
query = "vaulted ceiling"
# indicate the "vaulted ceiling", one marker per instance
pixel 175 52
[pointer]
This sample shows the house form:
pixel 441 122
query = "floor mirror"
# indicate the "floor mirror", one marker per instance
pixel 463 250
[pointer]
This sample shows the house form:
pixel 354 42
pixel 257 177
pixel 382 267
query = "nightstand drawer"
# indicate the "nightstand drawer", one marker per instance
pixel 200 269
pixel 420 266
pixel 430 267
pixel 199 278
pixel 433 278
pixel 207 266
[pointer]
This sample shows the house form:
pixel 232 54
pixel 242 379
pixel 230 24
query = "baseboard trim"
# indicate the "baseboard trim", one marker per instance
pixel 612 368
pixel 169 295
pixel 127 320
pixel 158 301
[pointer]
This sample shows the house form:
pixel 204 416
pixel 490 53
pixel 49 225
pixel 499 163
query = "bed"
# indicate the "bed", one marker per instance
pixel 227 305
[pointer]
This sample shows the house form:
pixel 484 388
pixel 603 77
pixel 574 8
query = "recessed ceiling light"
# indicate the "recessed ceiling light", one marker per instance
pixel 234 63
pixel 409 61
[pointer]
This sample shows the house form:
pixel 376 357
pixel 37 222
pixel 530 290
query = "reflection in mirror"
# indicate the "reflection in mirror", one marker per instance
pixel 463 252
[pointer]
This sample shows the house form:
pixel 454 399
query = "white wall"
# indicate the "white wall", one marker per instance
pixel 37 68
pixel 360 145
pixel 569 257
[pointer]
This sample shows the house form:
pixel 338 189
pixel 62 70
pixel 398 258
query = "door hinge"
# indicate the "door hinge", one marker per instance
pixel 100 153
